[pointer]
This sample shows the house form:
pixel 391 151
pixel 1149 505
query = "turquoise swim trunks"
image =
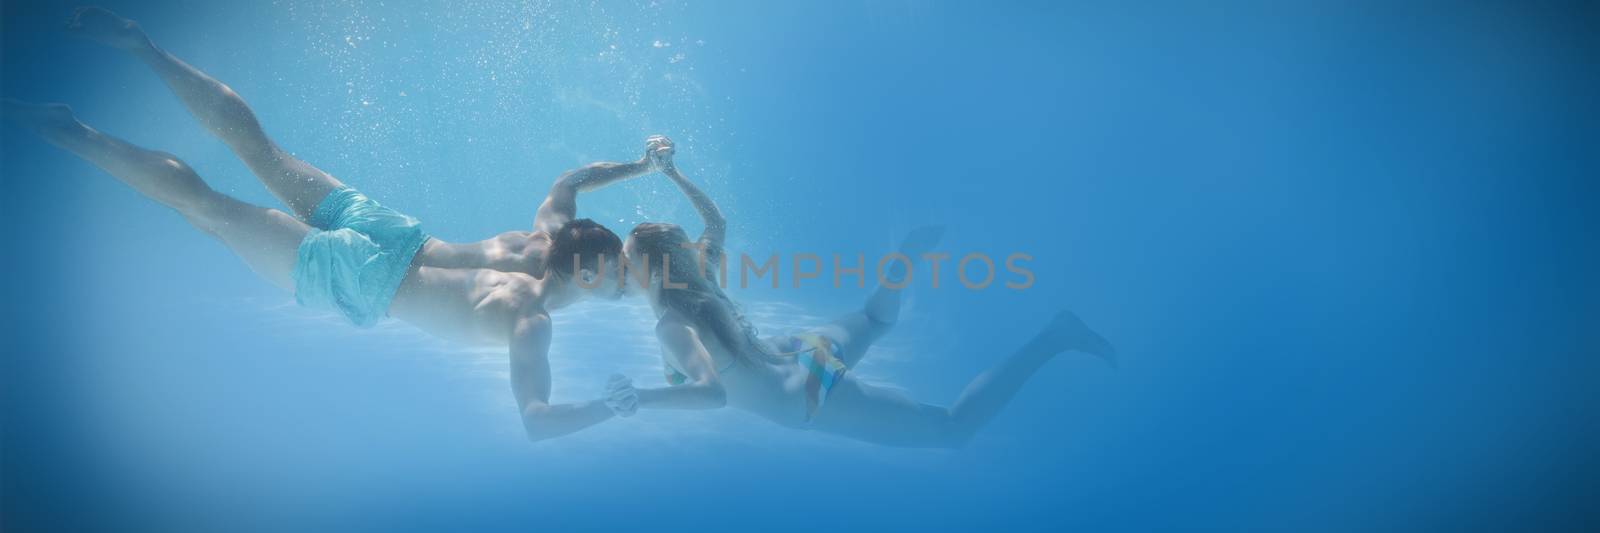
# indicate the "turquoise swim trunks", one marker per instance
pixel 356 258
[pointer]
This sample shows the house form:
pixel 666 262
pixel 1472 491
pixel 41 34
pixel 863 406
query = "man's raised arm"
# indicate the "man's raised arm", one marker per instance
pixel 561 205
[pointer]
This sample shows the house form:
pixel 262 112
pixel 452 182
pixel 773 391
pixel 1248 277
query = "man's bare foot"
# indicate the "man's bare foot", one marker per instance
pixel 51 121
pixel 1068 332
pixel 102 26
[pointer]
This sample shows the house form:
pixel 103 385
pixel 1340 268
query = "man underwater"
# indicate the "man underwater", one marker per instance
pixel 343 251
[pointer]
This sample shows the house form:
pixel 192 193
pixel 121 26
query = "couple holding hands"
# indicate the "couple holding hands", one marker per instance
pixel 335 248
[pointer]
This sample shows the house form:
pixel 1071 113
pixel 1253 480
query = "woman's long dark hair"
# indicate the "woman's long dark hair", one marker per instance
pixel 667 249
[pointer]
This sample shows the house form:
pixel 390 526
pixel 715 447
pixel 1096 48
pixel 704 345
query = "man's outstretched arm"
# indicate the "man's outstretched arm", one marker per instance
pixel 660 151
pixel 561 205
pixel 530 382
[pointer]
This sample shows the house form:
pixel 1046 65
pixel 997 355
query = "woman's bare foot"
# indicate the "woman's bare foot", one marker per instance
pixel 102 26
pixel 920 241
pixel 1068 332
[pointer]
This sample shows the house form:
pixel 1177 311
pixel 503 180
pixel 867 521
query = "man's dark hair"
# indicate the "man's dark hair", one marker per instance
pixel 587 240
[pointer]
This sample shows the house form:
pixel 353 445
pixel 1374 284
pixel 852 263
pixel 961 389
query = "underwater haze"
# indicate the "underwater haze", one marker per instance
pixel 1347 252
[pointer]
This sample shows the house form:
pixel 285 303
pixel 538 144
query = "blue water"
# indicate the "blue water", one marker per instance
pixel 1346 249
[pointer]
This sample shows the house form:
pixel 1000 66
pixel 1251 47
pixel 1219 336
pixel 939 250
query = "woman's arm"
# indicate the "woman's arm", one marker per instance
pixel 716 226
pixel 703 390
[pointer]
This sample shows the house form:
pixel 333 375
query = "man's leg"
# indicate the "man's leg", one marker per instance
pixel 856 331
pixel 296 183
pixel 267 239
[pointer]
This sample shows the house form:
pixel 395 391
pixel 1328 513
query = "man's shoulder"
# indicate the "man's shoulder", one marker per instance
pixel 539 238
pixel 523 243
pixel 516 235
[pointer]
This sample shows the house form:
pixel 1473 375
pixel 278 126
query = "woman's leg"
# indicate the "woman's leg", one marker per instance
pixel 855 332
pixel 266 239
pixel 884 416
pixel 296 183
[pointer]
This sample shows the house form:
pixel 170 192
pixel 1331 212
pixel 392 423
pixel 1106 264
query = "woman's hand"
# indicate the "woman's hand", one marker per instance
pixel 658 149
pixel 621 397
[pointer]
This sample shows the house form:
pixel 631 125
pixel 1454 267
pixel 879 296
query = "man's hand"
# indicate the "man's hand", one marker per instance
pixel 621 397
pixel 659 150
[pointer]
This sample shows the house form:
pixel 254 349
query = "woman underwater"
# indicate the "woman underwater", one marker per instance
pixel 714 358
